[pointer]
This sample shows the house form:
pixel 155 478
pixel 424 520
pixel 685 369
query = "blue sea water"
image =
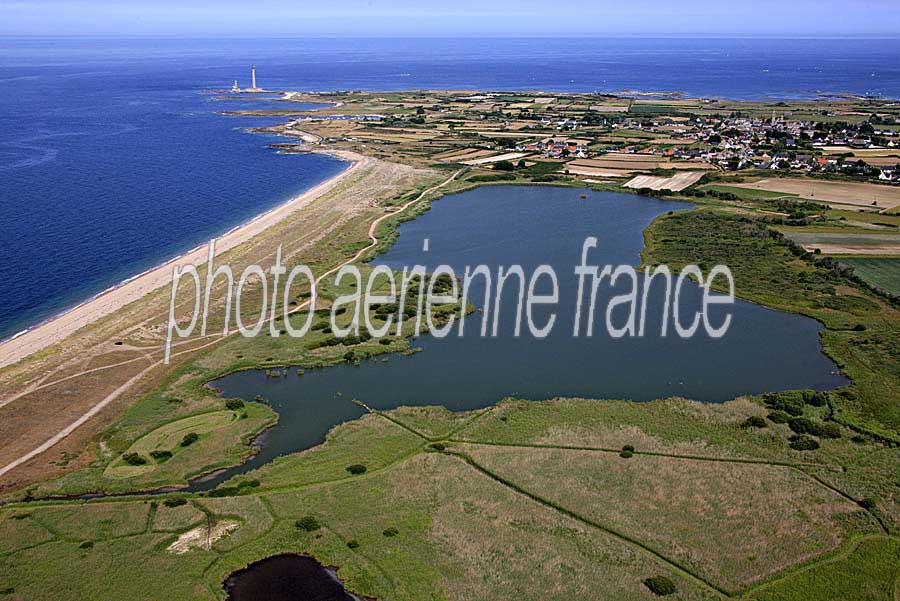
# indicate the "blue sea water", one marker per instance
pixel 113 159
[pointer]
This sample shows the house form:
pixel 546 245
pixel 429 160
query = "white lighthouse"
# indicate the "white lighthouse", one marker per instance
pixel 253 77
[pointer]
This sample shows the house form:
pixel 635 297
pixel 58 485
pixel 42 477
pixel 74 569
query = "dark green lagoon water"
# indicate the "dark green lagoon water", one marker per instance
pixel 764 350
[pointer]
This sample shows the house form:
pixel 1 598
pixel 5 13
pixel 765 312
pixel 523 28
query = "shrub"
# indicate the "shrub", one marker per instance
pixel 626 454
pixel 803 425
pixel 860 327
pixel 352 544
pixel 779 417
pixel 859 439
pixel 660 585
pixel 174 502
pixel 389 532
pixel 868 503
pixel 754 421
pixel 161 455
pixel 817 399
pixel 803 443
pixel 437 446
pixel 189 439
pixel 234 404
pixel 829 430
pixel 356 468
pixel 86 545
pixel 134 459
pixel 308 523
pixel 790 402
pixel 628 448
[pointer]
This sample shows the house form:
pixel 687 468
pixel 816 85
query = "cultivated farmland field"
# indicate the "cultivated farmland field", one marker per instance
pixel 831 192
pixel 831 243
pixel 676 183
pixel 882 273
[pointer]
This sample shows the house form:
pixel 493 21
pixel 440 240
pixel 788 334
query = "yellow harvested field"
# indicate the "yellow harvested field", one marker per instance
pixel 646 164
pixel 621 156
pixel 597 171
pixel 673 141
pixel 508 134
pixel 837 249
pixel 467 153
pixel 509 156
pixel 609 108
pixel 878 161
pixel 676 183
pixel 396 137
pixel 668 102
pixel 857 194
pixel 863 152
pixel 637 162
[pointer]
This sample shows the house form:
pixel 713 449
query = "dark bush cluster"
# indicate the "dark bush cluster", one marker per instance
pixel 308 523
pixel 779 417
pixel 234 404
pixel 804 425
pixel 356 468
pixel 501 176
pixel 176 502
pixel 801 442
pixel 389 532
pixel 793 401
pixel 661 585
pixel 230 491
pixel 754 421
pixel 161 455
pixel 699 193
pixel 352 544
pixel 134 459
pixel 868 503
pixel 189 439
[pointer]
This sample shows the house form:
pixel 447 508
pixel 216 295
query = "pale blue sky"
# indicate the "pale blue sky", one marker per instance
pixel 449 18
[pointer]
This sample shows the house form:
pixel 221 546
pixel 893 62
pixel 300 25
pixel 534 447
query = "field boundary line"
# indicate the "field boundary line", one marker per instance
pixel 684 572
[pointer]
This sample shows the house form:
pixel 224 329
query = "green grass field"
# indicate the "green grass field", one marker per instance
pixel 524 500
pixel 883 273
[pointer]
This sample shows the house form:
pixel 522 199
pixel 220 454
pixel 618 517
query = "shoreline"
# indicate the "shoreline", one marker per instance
pixel 57 328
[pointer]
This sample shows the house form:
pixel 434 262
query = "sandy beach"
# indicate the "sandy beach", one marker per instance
pixel 58 328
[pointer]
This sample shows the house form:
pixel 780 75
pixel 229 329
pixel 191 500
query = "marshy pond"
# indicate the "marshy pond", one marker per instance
pixel 287 577
pixel 763 350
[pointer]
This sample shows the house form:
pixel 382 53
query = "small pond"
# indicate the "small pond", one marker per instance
pixel 286 577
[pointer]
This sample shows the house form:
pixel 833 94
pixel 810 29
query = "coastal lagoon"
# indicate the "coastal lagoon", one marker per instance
pixel 763 350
